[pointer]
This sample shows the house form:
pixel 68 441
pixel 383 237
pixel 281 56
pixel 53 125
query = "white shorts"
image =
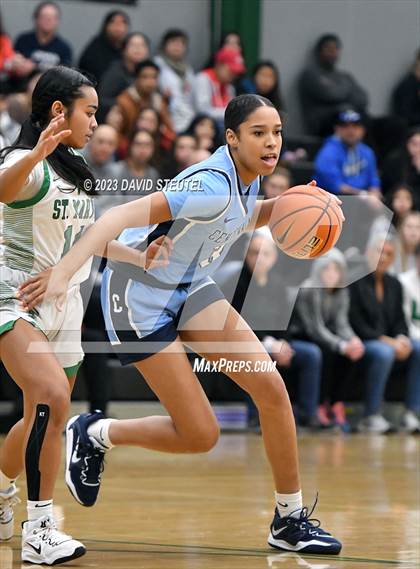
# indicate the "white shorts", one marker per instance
pixel 62 329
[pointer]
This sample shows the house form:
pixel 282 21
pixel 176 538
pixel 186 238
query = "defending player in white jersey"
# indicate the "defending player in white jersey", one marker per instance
pixel 43 211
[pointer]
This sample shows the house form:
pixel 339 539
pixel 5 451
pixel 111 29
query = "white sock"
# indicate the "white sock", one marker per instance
pixel 5 481
pixel 289 504
pixel 39 509
pixel 99 433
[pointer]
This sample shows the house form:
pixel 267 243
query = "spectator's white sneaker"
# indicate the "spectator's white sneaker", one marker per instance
pixel 374 424
pixel 8 499
pixel 43 543
pixel 410 422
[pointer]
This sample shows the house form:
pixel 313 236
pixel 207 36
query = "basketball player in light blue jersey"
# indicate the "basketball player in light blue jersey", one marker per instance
pixel 151 315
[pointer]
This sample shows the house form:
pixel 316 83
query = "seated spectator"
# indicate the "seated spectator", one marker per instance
pixel 176 78
pixel 105 47
pixel 406 96
pixel 325 90
pixel 213 88
pixel 321 316
pixel 43 45
pixel 149 119
pixel 411 289
pixel 20 104
pixel 204 128
pixel 261 298
pixel 344 164
pixel 122 72
pixel 142 93
pixel 228 39
pixel 277 183
pixel 408 238
pixel 12 65
pixel 403 166
pixel 401 201
pixel 264 81
pixel 377 317
pixel 100 153
pixel 136 176
pixel 185 145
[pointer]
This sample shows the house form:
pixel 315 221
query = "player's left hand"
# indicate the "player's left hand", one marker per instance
pixel 157 253
pixel 47 285
pixel 336 199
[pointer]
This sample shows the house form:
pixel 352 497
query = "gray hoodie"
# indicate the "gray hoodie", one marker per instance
pixel 322 316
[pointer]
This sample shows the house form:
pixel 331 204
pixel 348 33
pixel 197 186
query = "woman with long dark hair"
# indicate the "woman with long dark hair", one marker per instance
pixel 44 209
pixel 151 315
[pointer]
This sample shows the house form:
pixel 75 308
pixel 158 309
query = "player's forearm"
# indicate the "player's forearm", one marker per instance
pixel 119 252
pixel 262 214
pixel 94 241
pixel 14 178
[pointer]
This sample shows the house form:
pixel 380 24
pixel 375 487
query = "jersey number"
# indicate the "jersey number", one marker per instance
pixel 217 251
pixel 68 238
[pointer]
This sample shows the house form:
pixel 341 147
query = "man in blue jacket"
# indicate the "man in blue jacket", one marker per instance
pixel 345 165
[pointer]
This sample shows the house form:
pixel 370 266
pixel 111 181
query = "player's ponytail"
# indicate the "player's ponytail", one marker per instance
pixel 62 84
pixel 239 109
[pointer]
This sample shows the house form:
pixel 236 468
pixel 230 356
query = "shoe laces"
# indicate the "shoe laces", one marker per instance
pixel 7 503
pixel 304 522
pixel 50 532
pixel 94 461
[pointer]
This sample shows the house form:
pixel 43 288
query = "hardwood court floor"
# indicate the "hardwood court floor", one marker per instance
pixel 212 511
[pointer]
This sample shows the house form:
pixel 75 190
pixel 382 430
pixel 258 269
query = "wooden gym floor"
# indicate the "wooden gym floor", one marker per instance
pixel 213 511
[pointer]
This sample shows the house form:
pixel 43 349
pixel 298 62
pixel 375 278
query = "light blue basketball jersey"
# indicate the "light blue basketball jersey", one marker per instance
pixel 210 208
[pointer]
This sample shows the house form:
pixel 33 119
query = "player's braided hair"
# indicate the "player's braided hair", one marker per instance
pixel 239 109
pixel 57 84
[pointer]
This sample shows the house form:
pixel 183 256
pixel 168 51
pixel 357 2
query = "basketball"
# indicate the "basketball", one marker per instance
pixel 305 222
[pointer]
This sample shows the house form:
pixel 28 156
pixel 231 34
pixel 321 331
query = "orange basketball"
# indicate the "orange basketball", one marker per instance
pixel 305 222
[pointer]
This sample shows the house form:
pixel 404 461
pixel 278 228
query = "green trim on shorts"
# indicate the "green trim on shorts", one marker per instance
pixel 70 371
pixel 6 327
pixel 39 195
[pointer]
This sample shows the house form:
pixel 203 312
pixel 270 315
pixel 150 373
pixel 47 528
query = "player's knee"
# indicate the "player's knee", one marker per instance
pixel 269 392
pixel 57 398
pixel 203 438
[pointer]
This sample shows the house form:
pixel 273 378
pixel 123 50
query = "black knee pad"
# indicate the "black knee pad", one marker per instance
pixel 33 450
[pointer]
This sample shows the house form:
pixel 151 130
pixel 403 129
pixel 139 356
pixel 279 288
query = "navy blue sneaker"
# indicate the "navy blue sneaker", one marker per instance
pixel 84 460
pixel 302 534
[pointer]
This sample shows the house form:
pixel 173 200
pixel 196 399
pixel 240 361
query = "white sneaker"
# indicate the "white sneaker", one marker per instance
pixel 43 543
pixel 8 499
pixel 374 424
pixel 410 422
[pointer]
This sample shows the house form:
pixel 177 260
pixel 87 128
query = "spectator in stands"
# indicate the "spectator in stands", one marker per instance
pixel 213 87
pixel 261 297
pixel 228 39
pixel 176 78
pixel 143 93
pixel 408 238
pixel 325 90
pixel 43 46
pixel 401 201
pixel 403 166
pixel 277 183
pixel 122 72
pixel 204 128
pixel 107 46
pixel 12 65
pixel 264 81
pixel 377 317
pixel 185 145
pixel 411 292
pixel 100 152
pixel 344 164
pixel 321 316
pixel 137 177
pixel 149 119
pixel 406 96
